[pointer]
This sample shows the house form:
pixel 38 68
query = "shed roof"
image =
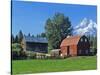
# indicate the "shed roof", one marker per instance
pixel 72 40
pixel 35 39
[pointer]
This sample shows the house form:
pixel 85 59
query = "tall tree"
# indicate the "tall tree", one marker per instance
pixel 20 36
pixel 57 29
pixel 12 38
pixel 43 35
pixel 49 32
pixel 38 35
pixel 33 36
pixel 29 34
pixel 16 39
pixel 95 42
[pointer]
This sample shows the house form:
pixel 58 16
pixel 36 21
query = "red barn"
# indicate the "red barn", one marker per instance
pixel 75 45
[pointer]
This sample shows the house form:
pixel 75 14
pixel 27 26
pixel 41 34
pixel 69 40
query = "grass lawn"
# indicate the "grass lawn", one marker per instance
pixel 54 65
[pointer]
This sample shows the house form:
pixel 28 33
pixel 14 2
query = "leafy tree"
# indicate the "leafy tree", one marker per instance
pixel 57 28
pixel 16 51
pixel 16 47
pixel 49 32
pixel 20 36
pixel 95 42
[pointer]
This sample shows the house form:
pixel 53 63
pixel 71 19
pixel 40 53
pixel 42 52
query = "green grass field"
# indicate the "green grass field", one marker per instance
pixel 54 65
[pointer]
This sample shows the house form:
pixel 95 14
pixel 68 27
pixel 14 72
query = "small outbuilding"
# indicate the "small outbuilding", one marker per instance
pixel 75 46
pixel 55 52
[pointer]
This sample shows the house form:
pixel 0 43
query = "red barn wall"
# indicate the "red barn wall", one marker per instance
pixel 64 51
pixel 73 50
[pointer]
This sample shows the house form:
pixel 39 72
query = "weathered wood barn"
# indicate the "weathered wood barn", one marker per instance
pixel 75 46
pixel 35 44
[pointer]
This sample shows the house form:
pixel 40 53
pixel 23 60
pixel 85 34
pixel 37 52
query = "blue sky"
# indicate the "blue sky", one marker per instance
pixel 30 17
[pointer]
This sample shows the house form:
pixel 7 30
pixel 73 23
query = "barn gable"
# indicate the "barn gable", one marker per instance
pixel 72 40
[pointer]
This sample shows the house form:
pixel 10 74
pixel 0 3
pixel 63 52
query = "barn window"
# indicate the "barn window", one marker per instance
pixel 85 40
pixel 81 40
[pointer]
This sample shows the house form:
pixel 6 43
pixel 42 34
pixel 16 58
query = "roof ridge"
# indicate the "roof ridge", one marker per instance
pixel 70 40
pixel 35 39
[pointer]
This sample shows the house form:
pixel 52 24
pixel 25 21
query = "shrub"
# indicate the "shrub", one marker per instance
pixel 15 52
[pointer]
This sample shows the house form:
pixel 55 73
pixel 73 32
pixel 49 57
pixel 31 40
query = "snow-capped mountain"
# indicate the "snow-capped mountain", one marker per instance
pixel 86 27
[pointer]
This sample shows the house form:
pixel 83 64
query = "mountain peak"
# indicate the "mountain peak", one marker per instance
pixel 86 27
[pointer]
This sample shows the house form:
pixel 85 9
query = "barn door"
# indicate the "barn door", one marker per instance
pixel 68 50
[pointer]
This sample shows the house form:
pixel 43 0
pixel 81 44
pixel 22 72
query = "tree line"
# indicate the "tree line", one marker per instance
pixel 18 38
pixel 93 41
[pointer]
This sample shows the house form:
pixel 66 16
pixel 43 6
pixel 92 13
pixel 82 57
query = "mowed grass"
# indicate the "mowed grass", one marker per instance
pixel 54 65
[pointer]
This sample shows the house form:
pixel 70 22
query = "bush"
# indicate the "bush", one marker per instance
pixel 93 51
pixel 23 55
pixel 15 52
pixel 15 55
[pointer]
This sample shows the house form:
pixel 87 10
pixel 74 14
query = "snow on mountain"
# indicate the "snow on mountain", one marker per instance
pixel 86 27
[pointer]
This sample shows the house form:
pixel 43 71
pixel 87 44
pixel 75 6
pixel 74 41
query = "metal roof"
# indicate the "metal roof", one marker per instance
pixel 72 40
pixel 35 39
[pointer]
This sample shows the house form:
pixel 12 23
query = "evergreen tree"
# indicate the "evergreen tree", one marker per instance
pixel 16 39
pixel 29 34
pixel 33 36
pixel 38 35
pixel 12 38
pixel 20 36
pixel 43 35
